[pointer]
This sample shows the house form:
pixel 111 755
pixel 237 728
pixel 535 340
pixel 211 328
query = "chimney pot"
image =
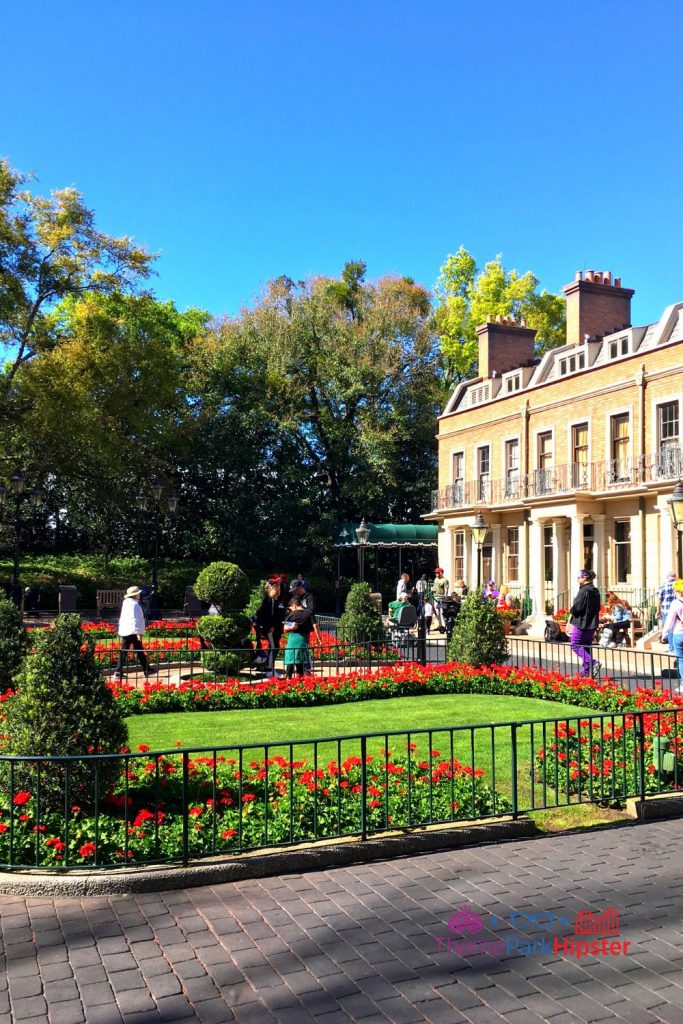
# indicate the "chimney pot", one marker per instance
pixel 607 277
pixel 617 282
pixel 597 277
pixel 579 275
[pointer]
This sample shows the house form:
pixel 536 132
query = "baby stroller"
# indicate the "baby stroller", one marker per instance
pixel 399 631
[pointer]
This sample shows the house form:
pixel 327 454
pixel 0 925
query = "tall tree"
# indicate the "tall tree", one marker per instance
pixel 50 248
pixel 344 376
pixel 466 296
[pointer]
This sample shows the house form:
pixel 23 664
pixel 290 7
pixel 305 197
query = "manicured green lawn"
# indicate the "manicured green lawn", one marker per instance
pixel 486 748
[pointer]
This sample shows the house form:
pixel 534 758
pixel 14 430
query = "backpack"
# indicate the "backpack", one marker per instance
pixel 553 634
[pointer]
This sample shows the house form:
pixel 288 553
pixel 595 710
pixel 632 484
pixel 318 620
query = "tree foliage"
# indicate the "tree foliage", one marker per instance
pixel 466 296
pixel 63 706
pixel 223 584
pixel 478 637
pixel 361 621
pixel 13 643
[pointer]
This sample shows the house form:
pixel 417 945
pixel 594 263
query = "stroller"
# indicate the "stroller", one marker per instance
pixel 399 632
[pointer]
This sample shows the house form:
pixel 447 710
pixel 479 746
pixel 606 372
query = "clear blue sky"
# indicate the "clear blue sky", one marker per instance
pixel 243 140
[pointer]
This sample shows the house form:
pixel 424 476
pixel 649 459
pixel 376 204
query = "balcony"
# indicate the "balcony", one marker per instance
pixel 588 478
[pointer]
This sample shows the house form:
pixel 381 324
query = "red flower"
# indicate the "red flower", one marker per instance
pixel 87 850
pixel 21 798
pixel 195 811
pixel 229 833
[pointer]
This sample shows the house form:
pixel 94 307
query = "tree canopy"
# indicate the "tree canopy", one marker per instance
pixel 466 296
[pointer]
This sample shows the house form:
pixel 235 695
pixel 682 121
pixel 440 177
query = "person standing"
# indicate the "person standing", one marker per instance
pixel 131 630
pixel 673 627
pixel 301 590
pixel 440 592
pixel 403 586
pixel 298 628
pixel 665 598
pixel 269 619
pixel 584 618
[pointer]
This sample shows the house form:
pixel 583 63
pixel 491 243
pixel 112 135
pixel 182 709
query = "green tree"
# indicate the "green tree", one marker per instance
pixel 478 637
pixel 63 706
pixel 13 643
pixel 340 380
pixel 466 296
pixel 361 621
pixel 51 248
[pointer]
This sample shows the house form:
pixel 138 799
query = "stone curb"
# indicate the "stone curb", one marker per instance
pixel 285 860
pixel 655 806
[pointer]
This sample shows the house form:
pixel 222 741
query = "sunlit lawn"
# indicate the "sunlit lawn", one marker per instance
pixel 286 731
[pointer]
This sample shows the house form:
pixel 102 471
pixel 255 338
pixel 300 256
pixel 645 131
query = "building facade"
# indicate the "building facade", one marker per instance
pixel 571 458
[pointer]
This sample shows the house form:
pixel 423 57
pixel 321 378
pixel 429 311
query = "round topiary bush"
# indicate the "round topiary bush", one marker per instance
pixel 224 631
pixel 361 621
pixel 478 636
pixel 62 706
pixel 13 643
pixel 223 584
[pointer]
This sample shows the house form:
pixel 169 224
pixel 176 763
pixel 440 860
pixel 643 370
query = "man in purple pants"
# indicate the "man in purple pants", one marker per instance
pixel 585 615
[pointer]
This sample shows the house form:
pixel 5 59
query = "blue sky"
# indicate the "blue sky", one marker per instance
pixel 246 140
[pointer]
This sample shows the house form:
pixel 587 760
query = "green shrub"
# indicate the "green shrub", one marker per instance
pixel 255 598
pixel 478 636
pixel 13 642
pixel 63 706
pixel 224 631
pixel 361 621
pixel 224 584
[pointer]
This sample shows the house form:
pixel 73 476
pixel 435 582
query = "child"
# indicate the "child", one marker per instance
pixel 429 614
pixel 297 627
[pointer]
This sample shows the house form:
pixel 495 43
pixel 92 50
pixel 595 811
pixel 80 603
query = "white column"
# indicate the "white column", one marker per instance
pixel 559 561
pixel 446 550
pixel 536 568
pixel 599 550
pixel 576 550
pixel 497 560
pixel 667 541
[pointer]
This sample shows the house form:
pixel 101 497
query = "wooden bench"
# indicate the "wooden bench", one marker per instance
pixel 108 599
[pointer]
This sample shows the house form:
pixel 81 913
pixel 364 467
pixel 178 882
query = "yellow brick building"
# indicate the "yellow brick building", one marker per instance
pixel 570 458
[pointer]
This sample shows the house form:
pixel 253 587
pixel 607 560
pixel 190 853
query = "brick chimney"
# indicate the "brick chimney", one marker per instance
pixel 504 345
pixel 596 306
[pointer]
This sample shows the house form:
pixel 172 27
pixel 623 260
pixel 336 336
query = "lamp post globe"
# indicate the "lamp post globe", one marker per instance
pixel 362 537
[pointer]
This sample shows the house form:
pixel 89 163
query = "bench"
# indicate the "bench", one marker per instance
pixel 108 599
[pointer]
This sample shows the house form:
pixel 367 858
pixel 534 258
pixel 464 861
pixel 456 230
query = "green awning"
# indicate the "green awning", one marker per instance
pixel 389 535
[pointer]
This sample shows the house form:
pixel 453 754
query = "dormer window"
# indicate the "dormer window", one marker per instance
pixel 480 394
pixel 572 363
pixel 513 384
pixel 619 347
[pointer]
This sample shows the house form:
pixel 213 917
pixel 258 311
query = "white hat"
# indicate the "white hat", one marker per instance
pixel 133 592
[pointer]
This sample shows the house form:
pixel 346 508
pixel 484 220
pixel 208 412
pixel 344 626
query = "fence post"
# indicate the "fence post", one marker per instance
pixel 186 801
pixel 422 640
pixel 640 732
pixel 513 755
pixel 363 789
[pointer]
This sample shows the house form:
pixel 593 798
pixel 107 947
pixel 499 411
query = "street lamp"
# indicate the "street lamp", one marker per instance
pixel 17 485
pixel 676 509
pixel 479 530
pixel 143 499
pixel 362 537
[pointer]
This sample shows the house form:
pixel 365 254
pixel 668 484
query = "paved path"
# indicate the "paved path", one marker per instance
pixel 359 944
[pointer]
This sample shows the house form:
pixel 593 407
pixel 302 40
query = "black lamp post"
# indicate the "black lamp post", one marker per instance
pixel 479 530
pixel 362 537
pixel 17 486
pixel 676 509
pixel 143 499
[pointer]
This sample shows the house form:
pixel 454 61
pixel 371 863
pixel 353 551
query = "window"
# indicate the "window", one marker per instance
pixel 572 364
pixel 621 440
pixel 512 468
pixel 588 539
pixel 618 347
pixel 544 472
pixel 669 440
pixel 580 454
pixel 513 384
pixel 563 367
pixel 486 563
pixel 459 555
pixel 581 360
pixel 622 550
pixel 513 554
pixel 484 472
pixel 480 394
pixel 458 477
pixel 548 553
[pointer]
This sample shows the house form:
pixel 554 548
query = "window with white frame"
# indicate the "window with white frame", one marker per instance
pixel 484 472
pixel 620 439
pixel 458 476
pixel 513 554
pixel 668 436
pixel 513 384
pixel 622 550
pixel 544 462
pixel 459 555
pixel 512 468
pixel 580 454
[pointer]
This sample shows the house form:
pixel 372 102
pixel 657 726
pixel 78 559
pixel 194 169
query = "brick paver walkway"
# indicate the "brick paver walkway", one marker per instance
pixel 359 944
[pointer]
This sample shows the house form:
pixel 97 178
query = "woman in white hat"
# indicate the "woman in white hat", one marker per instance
pixel 131 631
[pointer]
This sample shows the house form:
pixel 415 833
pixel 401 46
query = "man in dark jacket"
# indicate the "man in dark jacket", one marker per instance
pixel 269 618
pixel 585 615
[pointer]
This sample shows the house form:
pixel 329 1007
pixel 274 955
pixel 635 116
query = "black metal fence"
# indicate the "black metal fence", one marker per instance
pixel 172 806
